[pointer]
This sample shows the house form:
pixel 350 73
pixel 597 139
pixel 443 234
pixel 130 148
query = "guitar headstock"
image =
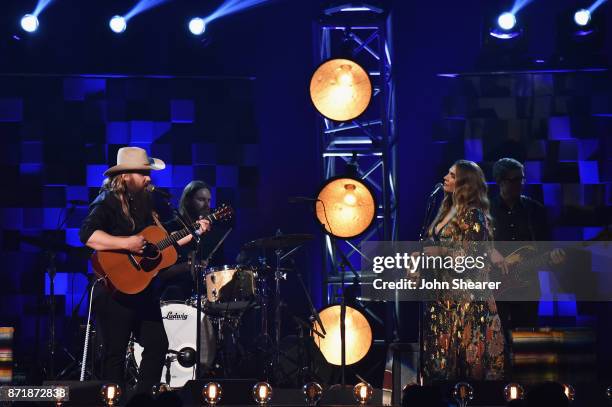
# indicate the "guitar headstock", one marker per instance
pixel 223 212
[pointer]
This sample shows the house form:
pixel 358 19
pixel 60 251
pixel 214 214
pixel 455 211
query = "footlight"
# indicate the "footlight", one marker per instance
pixel 262 393
pixel 212 393
pixel 514 391
pixel 363 393
pixel 110 393
pixel 312 393
pixel 569 392
pixel 463 393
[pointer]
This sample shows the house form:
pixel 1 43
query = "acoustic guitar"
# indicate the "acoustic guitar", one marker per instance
pixel 131 273
pixel 523 260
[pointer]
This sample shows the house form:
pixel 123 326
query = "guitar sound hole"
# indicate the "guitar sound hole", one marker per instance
pixel 150 251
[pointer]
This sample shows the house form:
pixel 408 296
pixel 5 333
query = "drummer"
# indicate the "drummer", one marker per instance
pixel 177 282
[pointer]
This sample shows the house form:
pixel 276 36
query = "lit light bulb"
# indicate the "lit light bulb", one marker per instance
pixel 569 391
pixel 349 196
pixel 345 76
pixel 212 393
pixel 110 393
pixel 513 391
pixel 362 393
pixel 262 393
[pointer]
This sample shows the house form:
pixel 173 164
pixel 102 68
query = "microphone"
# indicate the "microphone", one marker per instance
pixel 436 188
pixel 298 199
pixel 162 193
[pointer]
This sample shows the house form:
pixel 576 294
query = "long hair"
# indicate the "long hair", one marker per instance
pixel 470 192
pixel 117 185
pixel 185 205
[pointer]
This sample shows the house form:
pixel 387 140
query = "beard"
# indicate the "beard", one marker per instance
pixel 141 203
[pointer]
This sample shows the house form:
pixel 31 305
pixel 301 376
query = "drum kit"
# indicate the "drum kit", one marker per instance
pixel 230 291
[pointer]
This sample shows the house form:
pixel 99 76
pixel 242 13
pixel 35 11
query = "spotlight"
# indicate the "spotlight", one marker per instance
pixel 29 23
pixel 160 388
pixel 262 393
pixel 340 89
pixel 609 393
pixel 463 392
pixel 345 207
pixel 212 393
pixel 110 393
pixel 117 24
pixel 582 17
pixel 197 26
pixel 312 393
pixel 358 336
pixel 514 391
pixel 363 393
pixel 506 21
pixel 569 392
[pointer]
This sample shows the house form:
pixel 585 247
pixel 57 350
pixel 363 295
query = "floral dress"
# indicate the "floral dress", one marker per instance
pixel 463 339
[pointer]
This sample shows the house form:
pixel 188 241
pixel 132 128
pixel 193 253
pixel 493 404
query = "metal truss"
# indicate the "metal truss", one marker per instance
pixel 364 36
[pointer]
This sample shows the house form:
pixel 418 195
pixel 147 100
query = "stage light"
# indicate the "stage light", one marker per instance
pixel 117 24
pixel 197 26
pixel 569 392
pixel 609 393
pixel 358 335
pixel 262 393
pixel 312 393
pixel 340 89
pixel 160 388
pixel 463 393
pixel 582 17
pixel 110 393
pixel 363 393
pixel 345 207
pixel 29 23
pixel 212 392
pixel 506 21
pixel 514 391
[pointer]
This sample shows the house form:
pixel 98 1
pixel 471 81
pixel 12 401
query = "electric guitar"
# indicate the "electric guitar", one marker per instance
pixel 131 273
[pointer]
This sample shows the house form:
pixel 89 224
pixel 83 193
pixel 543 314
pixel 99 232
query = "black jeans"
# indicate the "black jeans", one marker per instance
pixel 119 315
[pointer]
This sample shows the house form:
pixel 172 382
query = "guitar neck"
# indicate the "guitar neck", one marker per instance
pixel 175 237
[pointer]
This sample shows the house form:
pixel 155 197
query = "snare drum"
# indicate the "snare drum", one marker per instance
pixel 229 288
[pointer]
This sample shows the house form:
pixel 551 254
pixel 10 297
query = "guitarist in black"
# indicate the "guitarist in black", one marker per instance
pixel 519 218
pixel 115 217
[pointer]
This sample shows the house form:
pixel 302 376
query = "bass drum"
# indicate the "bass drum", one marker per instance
pixel 358 337
pixel 179 320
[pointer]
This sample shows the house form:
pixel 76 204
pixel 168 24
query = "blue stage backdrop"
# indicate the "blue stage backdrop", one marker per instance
pixel 59 133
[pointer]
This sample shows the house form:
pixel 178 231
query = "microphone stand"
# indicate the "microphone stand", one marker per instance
pixel 343 265
pixel 194 270
pixel 422 235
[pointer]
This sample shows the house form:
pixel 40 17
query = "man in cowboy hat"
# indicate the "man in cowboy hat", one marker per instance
pixel 121 210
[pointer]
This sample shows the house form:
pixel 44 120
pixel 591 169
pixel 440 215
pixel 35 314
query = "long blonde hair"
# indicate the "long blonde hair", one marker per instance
pixel 470 192
pixel 117 185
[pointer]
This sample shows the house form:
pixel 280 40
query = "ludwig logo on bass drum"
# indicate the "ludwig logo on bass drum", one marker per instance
pixel 174 316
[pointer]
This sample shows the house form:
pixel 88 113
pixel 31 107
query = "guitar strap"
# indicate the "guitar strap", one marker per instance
pixel 157 222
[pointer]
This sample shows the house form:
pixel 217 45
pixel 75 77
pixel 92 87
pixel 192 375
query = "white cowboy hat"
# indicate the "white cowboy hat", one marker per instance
pixel 134 159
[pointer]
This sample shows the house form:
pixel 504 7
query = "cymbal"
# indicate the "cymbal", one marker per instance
pixel 279 242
